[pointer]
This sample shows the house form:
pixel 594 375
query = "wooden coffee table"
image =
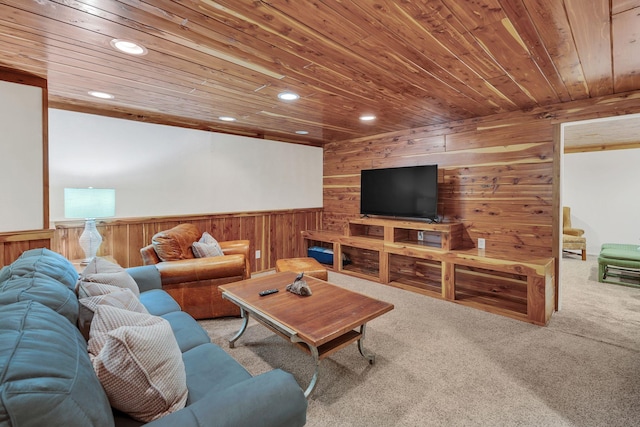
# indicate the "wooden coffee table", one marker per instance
pixel 320 324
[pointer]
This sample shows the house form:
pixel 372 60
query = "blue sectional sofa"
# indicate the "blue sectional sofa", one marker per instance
pixel 47 376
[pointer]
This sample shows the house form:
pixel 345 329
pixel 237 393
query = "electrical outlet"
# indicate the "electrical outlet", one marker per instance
pixel 481 243
pixel 258 254
pixel 421 235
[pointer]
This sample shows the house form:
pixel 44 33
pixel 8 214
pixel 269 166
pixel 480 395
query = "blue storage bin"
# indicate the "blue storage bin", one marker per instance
pixel 320 254
pixel 325 255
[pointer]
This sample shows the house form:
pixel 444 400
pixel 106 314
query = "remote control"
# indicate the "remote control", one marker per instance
pixel 267 292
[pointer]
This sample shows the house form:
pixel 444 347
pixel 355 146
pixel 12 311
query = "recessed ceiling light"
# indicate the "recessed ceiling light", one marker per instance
pixel 129 47
pixel 302 132
pixel 367 117
pixel 227 119
pixel 288 96
pixel 101 95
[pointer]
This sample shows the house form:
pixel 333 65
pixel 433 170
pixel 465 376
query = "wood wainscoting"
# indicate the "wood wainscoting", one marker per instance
pixel 13 244
pixel 276 234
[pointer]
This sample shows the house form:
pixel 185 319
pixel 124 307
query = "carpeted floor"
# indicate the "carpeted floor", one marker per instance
pixel 442 364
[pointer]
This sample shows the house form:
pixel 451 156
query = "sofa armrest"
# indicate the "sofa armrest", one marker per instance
pixel 273 399
pixel 238 247
pixel 196 269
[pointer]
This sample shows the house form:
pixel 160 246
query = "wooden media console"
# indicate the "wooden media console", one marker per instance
pixel 429 259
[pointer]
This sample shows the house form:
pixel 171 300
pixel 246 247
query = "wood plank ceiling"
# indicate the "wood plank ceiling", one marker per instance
pixel 410 63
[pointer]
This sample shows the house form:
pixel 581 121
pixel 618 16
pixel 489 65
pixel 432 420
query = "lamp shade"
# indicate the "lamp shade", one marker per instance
pixel 89 202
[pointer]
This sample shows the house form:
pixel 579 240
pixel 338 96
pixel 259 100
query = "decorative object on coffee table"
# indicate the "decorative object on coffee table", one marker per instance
pixel 299 286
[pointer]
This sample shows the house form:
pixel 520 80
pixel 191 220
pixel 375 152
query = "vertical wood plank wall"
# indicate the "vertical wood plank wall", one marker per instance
pixel 497 173
pixel 276 234
pixel 13 244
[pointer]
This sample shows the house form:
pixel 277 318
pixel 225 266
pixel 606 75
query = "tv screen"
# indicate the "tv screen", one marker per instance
pixel 410 192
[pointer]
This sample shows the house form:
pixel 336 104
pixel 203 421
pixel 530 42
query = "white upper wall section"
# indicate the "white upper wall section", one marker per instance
pixel 603 190
pixel 21 160
pixel 161 170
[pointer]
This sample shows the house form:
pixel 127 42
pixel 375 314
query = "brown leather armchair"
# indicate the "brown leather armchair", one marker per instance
pixel 193 282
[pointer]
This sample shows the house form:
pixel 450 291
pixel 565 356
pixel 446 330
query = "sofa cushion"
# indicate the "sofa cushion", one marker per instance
pixel 175 244
pixel 138 362
pixel 99 270
pixel 158 302
pixel 46 371
pixel 211 370
pixel 118 297
pixel 621 254
pixel 186 330
pixel 206 247
pixel 43 289
pixel 42 261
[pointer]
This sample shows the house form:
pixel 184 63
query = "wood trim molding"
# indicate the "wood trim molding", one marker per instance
pixel 602 147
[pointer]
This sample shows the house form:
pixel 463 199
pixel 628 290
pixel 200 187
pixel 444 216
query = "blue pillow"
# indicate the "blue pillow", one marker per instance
pixel 47 376
pixel 42 261
pixel 43 289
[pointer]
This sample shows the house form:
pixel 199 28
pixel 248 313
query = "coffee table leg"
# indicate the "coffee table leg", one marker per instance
pixel 316 359
pixel 245 322
pixel 363 351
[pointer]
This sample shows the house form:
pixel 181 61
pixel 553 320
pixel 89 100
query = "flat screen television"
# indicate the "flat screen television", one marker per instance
pixel 407 192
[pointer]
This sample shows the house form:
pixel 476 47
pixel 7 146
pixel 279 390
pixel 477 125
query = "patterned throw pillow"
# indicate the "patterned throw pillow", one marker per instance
pixel 99 294
pixel 138 362
pixel 99 270
pixel 207 246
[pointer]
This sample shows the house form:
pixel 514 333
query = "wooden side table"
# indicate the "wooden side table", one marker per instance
pixel 79 266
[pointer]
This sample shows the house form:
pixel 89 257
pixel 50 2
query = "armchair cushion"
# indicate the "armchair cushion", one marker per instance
pixel 175 244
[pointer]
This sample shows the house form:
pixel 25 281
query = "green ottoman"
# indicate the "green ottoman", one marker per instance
pixel 619 261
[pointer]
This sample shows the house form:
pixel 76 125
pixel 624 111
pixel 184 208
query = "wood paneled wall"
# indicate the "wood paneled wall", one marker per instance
pixel 499 174
pixel 13 244
pixel 276 234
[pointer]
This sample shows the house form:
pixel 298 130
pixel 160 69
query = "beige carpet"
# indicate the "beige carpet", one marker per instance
pixel 442 364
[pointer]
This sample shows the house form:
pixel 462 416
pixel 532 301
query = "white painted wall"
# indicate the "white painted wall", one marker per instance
pixel 163 170
pixel 21 160
pixel 603 190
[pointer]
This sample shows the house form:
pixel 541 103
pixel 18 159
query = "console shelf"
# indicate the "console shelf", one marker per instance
pixel 429 259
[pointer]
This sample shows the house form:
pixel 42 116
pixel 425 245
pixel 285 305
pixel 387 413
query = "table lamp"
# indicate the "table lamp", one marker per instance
pixel 89 203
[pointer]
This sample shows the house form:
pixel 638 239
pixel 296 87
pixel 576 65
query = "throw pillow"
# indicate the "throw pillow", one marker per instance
pixel 99 270
pixel 91 289
pixel 175 244
pixel 45 262
pixel 207 246
pixel 137 360
pixel 118 297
